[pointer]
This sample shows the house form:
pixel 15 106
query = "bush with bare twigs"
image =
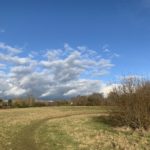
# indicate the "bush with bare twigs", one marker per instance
pixel 133 99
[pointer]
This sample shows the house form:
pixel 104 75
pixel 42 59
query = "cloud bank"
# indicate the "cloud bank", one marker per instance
pixel 57 73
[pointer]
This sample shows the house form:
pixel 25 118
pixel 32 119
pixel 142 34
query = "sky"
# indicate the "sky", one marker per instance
pixel 62 48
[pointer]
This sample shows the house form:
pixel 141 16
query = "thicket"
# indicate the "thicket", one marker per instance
pixel 133 100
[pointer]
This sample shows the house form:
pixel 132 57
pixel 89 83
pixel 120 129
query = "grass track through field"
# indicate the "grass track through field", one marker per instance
pixel 25 140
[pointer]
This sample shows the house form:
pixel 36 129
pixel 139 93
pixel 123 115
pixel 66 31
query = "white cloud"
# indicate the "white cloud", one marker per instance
pixel 57 73
pixel 106 49
pixel 15 59
pixel 15 91
pixel 83 87
pixel 9 48
pixel 116 55
pixel 106 89
pixel 68 47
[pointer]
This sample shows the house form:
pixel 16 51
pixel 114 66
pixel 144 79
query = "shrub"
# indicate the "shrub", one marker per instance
pixel 95 99
pixel 133 99
pixel 1 103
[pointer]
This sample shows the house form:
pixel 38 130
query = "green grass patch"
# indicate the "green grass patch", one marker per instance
pixel 54 137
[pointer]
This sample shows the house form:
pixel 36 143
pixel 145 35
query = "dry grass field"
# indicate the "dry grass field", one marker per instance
pixel 66 128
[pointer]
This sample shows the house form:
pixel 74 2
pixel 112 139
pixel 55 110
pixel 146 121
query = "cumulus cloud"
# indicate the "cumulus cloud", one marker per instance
pixel 58 73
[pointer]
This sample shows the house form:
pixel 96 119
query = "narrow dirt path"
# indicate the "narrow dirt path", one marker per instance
pixel 25 140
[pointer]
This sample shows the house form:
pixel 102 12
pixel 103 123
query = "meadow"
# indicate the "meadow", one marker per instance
pixel 67 128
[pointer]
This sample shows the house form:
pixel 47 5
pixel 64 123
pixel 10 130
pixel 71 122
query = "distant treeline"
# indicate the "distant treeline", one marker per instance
pixel 21 103
pixel 94 99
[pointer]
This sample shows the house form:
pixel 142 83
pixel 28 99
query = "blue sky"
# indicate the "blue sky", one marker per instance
pixel 117 30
